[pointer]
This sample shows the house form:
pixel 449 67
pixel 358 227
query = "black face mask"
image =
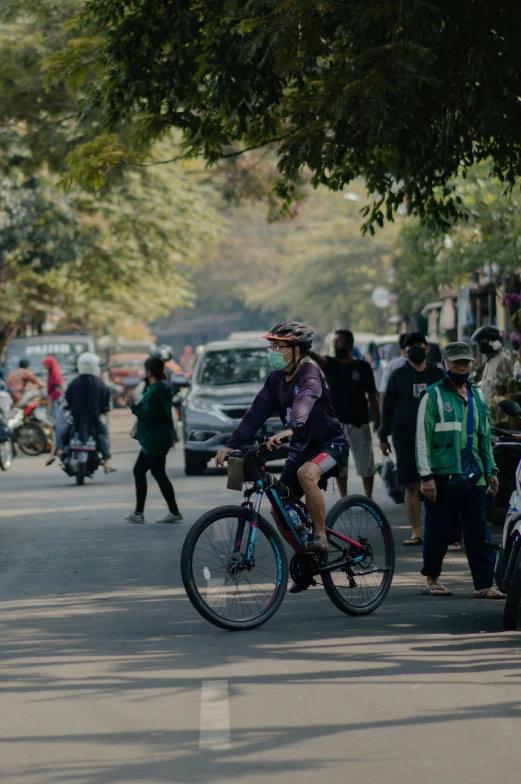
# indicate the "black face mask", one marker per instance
pixel 416 354
pixel 458 378
pixel 341 353
pixel 486 348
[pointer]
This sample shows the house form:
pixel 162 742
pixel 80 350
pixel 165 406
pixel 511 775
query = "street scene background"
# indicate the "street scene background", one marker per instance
pixel 103 659
pixel 176 173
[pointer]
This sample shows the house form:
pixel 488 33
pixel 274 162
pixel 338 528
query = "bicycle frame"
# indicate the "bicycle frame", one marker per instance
pixel 263 487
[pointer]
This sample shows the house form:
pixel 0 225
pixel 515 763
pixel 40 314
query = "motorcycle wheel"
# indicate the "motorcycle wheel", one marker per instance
pixel 512 612
pixel 31 439
pixel 80 473
pixel 6 454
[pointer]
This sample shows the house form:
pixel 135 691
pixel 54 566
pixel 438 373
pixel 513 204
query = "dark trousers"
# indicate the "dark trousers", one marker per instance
pixel 156 465
pixel 442 520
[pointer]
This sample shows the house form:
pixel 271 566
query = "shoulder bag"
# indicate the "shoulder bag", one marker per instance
pixel 470 469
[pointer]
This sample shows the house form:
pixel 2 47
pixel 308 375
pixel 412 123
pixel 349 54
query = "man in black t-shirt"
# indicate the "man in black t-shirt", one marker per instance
pixel 399 413
pixel 351 385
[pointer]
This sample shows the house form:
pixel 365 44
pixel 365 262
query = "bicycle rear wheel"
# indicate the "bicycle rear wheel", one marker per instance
pixel 231 589
pixel 360 519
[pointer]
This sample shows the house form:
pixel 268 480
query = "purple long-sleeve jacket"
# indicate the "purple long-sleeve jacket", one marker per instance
pixel 303 405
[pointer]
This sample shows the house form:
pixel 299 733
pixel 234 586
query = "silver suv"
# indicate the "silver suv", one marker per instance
pixel 227 377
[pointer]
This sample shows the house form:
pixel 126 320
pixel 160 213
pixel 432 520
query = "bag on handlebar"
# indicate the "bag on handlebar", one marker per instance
pixel 235 473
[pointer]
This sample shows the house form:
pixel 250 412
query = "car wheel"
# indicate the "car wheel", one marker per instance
pixel 195 465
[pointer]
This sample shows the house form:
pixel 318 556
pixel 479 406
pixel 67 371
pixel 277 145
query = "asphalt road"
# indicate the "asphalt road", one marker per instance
pixel 108 675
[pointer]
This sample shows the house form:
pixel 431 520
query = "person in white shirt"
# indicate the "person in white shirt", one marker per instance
pixel 392 365
pixel 497 363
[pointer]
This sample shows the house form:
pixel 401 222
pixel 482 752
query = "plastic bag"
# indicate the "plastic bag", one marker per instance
pixel 390 482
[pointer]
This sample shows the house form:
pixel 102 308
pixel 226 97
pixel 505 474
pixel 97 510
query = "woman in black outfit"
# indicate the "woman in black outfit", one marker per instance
pixel 155 433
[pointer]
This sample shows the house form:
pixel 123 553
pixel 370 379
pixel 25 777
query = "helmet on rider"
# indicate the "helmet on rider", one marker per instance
pixel 292 332
pixel 88 364
pixel 166 352
pixel 489 338
pixel 295 335
pixel 163 352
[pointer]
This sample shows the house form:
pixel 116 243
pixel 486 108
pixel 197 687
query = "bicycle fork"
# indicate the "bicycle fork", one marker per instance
pixel 247 548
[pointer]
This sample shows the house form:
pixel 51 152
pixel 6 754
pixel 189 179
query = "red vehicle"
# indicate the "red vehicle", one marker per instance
pixel 127 370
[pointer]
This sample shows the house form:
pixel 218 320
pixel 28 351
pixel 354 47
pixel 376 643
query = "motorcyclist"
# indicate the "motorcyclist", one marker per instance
pixel 88 400
pixel 497 362
pixel 165 353
pixel 18 379
pixel 187 359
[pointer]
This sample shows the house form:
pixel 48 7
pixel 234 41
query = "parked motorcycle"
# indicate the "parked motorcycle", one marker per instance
pixel 7 450
pixel 508 565
pixel 80 458
pixel 29 436
pixel 506 446
pixel 6 444
pixel 35 410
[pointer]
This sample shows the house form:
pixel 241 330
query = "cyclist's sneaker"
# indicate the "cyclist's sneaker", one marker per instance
pixel 317 545
pixel 134 518
pixel 170 518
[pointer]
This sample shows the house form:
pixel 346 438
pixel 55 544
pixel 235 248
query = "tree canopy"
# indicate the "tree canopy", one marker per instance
pixel 403 93
pixel 315 267
pixel 123 251
pixel 486 244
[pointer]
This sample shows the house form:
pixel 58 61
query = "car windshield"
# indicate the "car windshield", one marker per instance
pixel 234 366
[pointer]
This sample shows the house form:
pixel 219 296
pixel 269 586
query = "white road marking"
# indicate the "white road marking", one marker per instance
pixel 214 730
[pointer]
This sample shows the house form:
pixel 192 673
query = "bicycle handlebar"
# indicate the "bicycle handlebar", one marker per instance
pixel 259 449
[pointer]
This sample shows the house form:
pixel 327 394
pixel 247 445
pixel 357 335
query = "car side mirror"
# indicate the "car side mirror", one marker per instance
pixel 510 408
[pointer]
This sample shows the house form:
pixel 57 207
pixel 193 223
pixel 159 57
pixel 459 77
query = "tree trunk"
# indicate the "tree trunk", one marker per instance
pixel 7 333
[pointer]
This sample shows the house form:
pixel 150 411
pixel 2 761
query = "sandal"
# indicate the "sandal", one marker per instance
pixel 489 593
pixel 414 541
pixel 436 590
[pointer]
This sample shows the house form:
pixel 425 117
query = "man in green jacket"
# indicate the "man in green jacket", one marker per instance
pixel 448 455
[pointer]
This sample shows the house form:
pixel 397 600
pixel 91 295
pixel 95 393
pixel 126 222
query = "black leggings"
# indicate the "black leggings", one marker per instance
pixel 156 465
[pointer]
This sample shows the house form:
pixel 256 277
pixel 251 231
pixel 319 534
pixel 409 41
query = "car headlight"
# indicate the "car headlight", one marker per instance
pixel 199 405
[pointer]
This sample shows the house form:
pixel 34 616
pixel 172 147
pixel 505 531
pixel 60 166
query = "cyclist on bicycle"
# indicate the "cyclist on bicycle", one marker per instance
pixel 296 391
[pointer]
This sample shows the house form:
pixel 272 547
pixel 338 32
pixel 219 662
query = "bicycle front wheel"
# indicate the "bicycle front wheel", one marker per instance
pixel 231 583
pixel 361 520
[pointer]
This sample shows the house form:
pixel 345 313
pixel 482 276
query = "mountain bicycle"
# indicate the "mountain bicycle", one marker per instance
pixel 234 566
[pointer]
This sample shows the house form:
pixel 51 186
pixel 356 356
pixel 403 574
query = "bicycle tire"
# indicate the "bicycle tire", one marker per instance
pixel 187 572
pixel 334 594
pixel 512 611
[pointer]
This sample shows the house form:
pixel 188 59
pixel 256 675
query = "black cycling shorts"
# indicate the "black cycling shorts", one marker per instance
pixel 331 460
